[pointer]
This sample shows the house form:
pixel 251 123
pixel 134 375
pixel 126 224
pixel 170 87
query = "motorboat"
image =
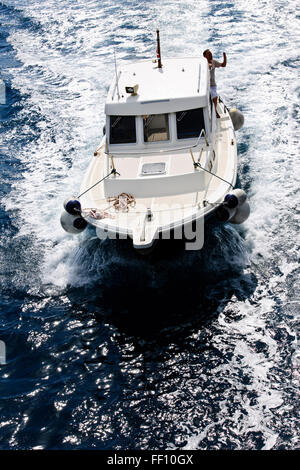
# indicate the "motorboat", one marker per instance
pixel 165 161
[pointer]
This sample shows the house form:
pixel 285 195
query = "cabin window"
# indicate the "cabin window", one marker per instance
pixel 189 123
pixel 122 130
pixel 156 127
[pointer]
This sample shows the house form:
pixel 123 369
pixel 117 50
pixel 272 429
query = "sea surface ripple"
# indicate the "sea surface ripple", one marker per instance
pixel 182 350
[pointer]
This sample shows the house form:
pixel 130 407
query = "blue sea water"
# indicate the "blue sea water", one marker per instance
pixel 182 350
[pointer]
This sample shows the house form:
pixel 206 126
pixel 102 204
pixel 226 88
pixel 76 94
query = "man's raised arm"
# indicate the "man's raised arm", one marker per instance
pixel 224 60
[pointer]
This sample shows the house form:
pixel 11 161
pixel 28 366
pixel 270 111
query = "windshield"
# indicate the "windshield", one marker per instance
pixel 122 130
pixel 156 127
pixel 189 123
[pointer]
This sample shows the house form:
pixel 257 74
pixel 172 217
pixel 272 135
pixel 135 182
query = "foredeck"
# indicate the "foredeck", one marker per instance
pixel 176 163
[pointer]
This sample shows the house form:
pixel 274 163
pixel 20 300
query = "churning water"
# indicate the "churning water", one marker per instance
pixel 107 350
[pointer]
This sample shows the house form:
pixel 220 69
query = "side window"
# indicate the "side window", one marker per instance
pixel 156 127
pixel 122 130
pixel 189 123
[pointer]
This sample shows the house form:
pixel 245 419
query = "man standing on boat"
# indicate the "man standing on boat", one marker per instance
pixel 213 64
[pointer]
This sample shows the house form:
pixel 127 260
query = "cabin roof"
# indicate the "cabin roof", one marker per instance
pixel 180 84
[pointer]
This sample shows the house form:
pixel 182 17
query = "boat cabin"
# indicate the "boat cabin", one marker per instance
pixel 156 114
pixel 166 106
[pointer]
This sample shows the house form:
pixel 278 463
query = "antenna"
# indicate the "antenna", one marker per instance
pixel 158 50
pixel 116 70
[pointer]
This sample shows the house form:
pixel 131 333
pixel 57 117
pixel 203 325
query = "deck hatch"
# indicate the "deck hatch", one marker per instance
pixel 154 168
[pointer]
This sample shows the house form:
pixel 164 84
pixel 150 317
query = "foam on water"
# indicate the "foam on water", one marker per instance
pixel 65 54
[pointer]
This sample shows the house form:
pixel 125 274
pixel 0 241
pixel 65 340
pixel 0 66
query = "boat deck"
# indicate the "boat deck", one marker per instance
pixel 165 207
